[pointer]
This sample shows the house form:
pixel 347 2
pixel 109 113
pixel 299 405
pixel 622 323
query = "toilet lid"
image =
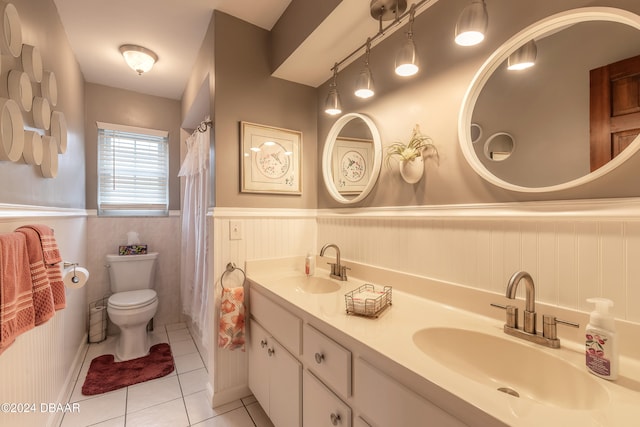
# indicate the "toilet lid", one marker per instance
pixel 131 299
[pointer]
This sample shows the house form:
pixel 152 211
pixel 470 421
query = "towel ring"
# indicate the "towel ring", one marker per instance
pixel 231 267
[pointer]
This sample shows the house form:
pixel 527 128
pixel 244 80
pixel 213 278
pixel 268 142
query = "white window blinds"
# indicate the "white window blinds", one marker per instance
pixel 133 171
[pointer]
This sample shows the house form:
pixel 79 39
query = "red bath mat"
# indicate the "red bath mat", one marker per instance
pixel 105 374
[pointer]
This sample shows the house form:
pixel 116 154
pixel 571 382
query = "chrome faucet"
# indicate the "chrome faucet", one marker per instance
pixel 338 271
pixel 549 336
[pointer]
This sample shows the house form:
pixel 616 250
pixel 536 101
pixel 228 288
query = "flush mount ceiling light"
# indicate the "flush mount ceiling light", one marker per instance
pixel 472 24
pixel 524 57
pixel 139 58
pixel 332 105
pixel 406 64
pixel 364 85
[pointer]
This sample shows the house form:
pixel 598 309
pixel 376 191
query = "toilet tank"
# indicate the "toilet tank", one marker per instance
pixel 131 272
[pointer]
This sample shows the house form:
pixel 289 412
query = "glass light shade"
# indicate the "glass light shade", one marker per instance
pixel 406 64
pixel 364 84
pixel 140 59
pixel 524 57
pixel 332 105
pixel 472 24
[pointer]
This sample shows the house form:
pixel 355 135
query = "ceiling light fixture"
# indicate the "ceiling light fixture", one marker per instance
pixel 524 57
pixel 364 85
pixel 406 64
pixel 472 24
pixel 332 105
pixel 139 58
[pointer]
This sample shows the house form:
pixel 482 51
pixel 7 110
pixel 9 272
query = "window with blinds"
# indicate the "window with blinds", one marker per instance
pixel 133 171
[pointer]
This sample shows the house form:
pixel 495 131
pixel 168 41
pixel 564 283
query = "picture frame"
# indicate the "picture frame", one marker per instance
pixel 271 159
pixel 352 162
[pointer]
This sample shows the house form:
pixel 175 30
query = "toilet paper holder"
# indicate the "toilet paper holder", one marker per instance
pixel 75 278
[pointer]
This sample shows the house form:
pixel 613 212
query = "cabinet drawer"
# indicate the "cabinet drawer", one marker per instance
pixel 327 359
pixel 387 403
pixel 322 408
pixel 284 326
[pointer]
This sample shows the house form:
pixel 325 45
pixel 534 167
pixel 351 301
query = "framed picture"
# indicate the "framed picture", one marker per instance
pixel 352 160
pixel 271 160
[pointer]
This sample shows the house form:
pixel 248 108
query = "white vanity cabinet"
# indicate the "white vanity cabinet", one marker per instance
pixel 388 403
pixel 329 360
pixel 274 377
pixel 321 407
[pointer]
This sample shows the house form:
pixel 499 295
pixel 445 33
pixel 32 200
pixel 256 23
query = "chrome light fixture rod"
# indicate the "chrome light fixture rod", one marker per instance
pixel 398 20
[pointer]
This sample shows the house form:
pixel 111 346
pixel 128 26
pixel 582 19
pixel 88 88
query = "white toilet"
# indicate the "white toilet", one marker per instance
pixel 133 302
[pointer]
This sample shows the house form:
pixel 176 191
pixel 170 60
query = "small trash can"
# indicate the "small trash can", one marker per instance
pixel 98 321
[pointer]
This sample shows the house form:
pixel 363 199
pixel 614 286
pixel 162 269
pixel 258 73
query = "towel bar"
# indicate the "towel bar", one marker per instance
pixel 231 267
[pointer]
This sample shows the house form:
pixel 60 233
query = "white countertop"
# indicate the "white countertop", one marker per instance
pixel 392 336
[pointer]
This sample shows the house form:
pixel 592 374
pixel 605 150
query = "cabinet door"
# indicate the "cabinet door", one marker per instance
pixel 259 364
pixel 285 384
pixel 322 408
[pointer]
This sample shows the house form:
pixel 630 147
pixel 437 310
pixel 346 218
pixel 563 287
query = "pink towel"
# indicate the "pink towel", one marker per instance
pixel 16 296
pixel 231 328
pixel 51 258
pixel 42 294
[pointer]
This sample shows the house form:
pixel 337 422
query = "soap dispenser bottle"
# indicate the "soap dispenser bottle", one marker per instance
pixel 601 343
pixel 309 265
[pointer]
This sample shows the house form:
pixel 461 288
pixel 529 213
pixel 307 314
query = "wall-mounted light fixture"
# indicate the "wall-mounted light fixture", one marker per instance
pixel 472 24
pixel 524 57
pixel 364 85
pixel 139 58
pixel 406 64
pixel 406 59
pixel 332 105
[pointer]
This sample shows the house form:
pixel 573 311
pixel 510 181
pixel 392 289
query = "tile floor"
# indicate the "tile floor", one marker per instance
pixel 176 400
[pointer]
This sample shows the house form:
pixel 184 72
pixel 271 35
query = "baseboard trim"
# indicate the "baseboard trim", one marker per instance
pixel 65 394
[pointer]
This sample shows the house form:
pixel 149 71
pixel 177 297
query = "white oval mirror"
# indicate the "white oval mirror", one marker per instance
pixel 351 158
pixel 546 108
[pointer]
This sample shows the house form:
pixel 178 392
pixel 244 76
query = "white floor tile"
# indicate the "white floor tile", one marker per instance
pixel 194 381
pixel 236 418
pixel 97 409
pixel 188 362
pixel 169 414
pixel 179 335
pixel 199 407
pixel 176 326
pixel 115 422
pixel 258 415
pixel 181 348
pixel 249 400
pixel 151 393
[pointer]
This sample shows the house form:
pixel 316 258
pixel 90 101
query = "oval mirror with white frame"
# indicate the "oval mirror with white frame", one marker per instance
pixel 351 158
pixel 546 108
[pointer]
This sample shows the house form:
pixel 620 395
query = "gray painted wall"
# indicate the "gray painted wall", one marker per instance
pixel 433 99
pixel 22 183
pixel 110 105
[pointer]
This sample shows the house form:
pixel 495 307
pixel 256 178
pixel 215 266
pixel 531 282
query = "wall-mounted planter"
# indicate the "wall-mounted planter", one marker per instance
pixel 412 170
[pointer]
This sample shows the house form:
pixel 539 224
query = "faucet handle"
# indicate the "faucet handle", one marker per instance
pixel 512 314
pixel 549 324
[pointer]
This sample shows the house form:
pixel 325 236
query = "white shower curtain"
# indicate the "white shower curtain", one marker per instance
pixel 194 291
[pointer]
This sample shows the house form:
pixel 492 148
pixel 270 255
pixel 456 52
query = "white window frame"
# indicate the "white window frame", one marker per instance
pixel 132 199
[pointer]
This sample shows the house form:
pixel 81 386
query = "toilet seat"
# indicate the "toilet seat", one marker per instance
pixel 133 299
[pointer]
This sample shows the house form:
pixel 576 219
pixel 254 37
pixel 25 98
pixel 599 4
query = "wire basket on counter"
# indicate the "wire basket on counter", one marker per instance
pixel 368 300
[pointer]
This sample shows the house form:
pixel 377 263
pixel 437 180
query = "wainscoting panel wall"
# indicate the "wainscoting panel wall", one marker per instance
pixel 266 233
pixel 573 250
pixel 39 366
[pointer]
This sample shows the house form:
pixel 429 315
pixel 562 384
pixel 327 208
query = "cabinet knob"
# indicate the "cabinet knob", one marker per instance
pixel 319 358
pixel 263 343
pixel 335 419
pixel 271 352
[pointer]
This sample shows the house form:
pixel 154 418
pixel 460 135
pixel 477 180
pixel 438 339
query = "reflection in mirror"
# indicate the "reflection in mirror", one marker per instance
pixel 547 107
pixel 476 132
pixel 499 147
pixel 352 157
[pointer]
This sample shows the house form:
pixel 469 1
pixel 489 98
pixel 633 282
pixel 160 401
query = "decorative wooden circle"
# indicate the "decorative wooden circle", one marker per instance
pixel 20 89
pixel 50 87
pixel 12 29
pixel 33 149
pixel 11 130
pixel 49 165
pixel 41 113
pixel 32 62
pixel 59 130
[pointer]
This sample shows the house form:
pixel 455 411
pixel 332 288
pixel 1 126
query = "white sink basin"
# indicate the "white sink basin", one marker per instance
pixel 511 367
pixel 313 284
